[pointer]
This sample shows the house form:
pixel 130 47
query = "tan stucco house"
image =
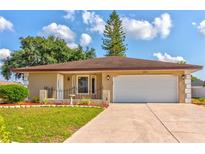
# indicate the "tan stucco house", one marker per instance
pixel 113 79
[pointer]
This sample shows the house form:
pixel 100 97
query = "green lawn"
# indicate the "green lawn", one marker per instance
pixel 46 124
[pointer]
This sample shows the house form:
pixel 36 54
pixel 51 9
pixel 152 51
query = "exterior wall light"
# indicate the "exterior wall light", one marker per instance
pixel 68 78
pixel 108 77
pixel 183 76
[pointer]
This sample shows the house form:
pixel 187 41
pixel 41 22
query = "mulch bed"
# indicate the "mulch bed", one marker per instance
pixel 31 104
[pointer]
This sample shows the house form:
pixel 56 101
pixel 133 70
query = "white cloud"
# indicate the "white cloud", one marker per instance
pixel 72 45
pixel 59 31
pixel 64 32
pixel 201 27
pixel 85 39
pixel 96 23
pixel 145 30
pixel 163 24
pixel 139 29
pixel 5 24
pixel 4 53
pixel 194 23
pixel 168 58
pixel 70 15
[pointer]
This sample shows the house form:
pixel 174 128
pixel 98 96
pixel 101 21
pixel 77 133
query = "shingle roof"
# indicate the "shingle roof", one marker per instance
pixel 109 63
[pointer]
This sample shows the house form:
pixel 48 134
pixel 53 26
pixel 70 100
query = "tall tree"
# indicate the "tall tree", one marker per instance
pixel 114 36
pixel 40 51
pixel 194 78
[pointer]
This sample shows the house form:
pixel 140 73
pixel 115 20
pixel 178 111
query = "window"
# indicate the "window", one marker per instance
pixel 93 83
pixel 83 84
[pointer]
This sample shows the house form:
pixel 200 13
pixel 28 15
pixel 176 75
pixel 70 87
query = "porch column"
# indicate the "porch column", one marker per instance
pixel 26 81
pixel 107 87
pixel 60 87
pixel 106 96
pixel 187 81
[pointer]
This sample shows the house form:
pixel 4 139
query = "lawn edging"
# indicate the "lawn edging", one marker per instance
pixel 30 106
pixel 100 114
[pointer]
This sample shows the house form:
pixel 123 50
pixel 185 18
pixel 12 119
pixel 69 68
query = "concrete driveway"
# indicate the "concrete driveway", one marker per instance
pixel 127 123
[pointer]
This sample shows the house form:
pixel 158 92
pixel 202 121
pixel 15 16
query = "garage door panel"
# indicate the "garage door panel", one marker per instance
pixel 145 88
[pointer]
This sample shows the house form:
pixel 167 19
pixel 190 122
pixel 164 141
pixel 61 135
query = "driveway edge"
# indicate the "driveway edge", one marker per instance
pixel 67 140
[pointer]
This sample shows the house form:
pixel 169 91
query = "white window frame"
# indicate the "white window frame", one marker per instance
pixel 95 91
pixel 77 76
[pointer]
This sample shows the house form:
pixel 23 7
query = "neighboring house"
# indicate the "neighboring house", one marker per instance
pixel 198 88
pixel 113 79
pixel 7 83
pixel 197 83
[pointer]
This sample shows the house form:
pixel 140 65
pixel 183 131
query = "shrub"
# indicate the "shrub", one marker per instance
pixel 84 102
pixel 104 104
pixel 199 101
pixel 45 101
pixel 35 99
pixel 4 135
pixel 13 93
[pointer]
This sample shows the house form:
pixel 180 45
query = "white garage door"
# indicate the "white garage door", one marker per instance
pixel 145 88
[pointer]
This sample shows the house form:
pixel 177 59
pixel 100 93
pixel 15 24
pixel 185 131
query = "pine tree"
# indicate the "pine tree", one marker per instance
pixel 114 36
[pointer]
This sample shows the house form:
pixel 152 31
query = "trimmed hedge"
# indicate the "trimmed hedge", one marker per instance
pixel 13 93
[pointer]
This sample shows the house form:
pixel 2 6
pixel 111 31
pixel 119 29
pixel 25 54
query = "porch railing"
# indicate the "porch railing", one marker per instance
pixel 52 93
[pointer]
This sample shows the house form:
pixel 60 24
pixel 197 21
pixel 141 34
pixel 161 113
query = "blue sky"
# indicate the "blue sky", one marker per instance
pixel 159 35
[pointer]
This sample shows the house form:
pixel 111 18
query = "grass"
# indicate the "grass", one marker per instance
pixel 48 125
pixel 199 101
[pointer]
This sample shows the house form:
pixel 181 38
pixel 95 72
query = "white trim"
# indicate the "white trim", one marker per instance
pixel 95 91
pixel 88 83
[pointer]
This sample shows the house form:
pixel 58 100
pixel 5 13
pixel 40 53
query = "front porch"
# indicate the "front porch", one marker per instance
pixel 79 86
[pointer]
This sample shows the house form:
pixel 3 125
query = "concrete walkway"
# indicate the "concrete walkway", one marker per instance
pixel 128 123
